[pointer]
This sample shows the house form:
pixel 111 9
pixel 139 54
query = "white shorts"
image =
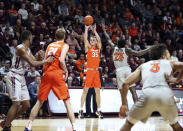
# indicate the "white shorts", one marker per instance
pixel 160 99
pixel 121 74
pixel 17 87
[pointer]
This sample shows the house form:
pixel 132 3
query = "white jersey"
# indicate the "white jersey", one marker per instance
pixel 18 63
pixel 153 73
pixel 120 58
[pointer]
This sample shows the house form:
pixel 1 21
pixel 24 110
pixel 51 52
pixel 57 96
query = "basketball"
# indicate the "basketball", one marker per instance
pixel 88 20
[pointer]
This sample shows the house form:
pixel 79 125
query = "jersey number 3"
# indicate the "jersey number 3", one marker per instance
pixel 118 56
pixel 155 67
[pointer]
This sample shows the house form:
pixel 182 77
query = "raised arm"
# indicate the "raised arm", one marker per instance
pixel 22 53
pixel 107 36
pixel 99 43
pixel 136 53
pixel 62 59
pixel 86 43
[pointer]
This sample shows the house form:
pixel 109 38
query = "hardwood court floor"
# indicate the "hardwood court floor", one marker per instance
pixel 92 124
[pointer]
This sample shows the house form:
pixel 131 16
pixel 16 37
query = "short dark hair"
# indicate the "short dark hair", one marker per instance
pixel 157 51
pixel 121 43
pixel 60 34
pixel 25 35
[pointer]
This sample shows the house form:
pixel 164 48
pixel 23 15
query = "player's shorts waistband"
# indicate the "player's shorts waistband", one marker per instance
pixel 156 86
pixel 93 69
pixel 16 73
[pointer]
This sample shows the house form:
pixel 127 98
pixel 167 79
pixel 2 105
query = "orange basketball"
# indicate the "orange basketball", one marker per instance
pixel 88 20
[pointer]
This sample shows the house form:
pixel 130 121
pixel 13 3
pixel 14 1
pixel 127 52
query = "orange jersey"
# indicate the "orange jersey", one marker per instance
pixel 93 58
pixel 54 49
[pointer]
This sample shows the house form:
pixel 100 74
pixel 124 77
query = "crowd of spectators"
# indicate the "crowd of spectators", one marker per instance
pixel 140 22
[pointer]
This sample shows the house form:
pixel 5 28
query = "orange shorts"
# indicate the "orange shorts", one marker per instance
pixel 92 79
pixel 53 81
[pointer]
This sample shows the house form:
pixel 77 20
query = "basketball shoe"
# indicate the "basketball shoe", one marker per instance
pixel 99 114
pixel 81 114
pixel 26 129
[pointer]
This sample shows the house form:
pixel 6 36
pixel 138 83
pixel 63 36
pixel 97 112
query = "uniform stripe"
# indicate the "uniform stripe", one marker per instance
pixel 17 62
pixel 13 84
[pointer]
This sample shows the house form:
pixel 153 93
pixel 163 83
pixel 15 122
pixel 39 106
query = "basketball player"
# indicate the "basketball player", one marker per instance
pixel 156 94
pixel 16 83
pixel 54 77
pixel 92 49
pixel 120 57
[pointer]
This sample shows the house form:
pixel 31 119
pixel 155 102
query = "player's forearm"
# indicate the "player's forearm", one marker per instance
pixel 124 94
pixel 63 66
pixel 108 38
pixel 143 52
pixel 38 63
pixel 86 34
pixel 98 40
pixel 106 35
pixel 97 36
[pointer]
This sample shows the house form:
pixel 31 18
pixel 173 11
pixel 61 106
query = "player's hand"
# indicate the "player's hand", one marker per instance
pixel 40 55
pixel 50 59
pixel 170 79
pixel 65 75
pixel 123 111
pixel 87 27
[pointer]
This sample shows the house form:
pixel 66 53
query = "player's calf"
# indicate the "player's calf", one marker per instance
pixel 177 127
pixel 24 106
pixel 127 126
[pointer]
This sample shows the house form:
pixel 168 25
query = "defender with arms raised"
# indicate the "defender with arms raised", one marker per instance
pixel 120 57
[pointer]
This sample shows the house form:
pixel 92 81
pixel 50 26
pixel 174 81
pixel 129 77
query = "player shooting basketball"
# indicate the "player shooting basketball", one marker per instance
pixel 92 49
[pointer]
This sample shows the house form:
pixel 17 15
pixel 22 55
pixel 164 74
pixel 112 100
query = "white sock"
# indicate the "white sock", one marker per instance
pixel 29 125
pixel 73 126
pixel 98 109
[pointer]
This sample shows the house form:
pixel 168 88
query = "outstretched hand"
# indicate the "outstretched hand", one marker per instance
pixel 50 59
pixel 86 27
